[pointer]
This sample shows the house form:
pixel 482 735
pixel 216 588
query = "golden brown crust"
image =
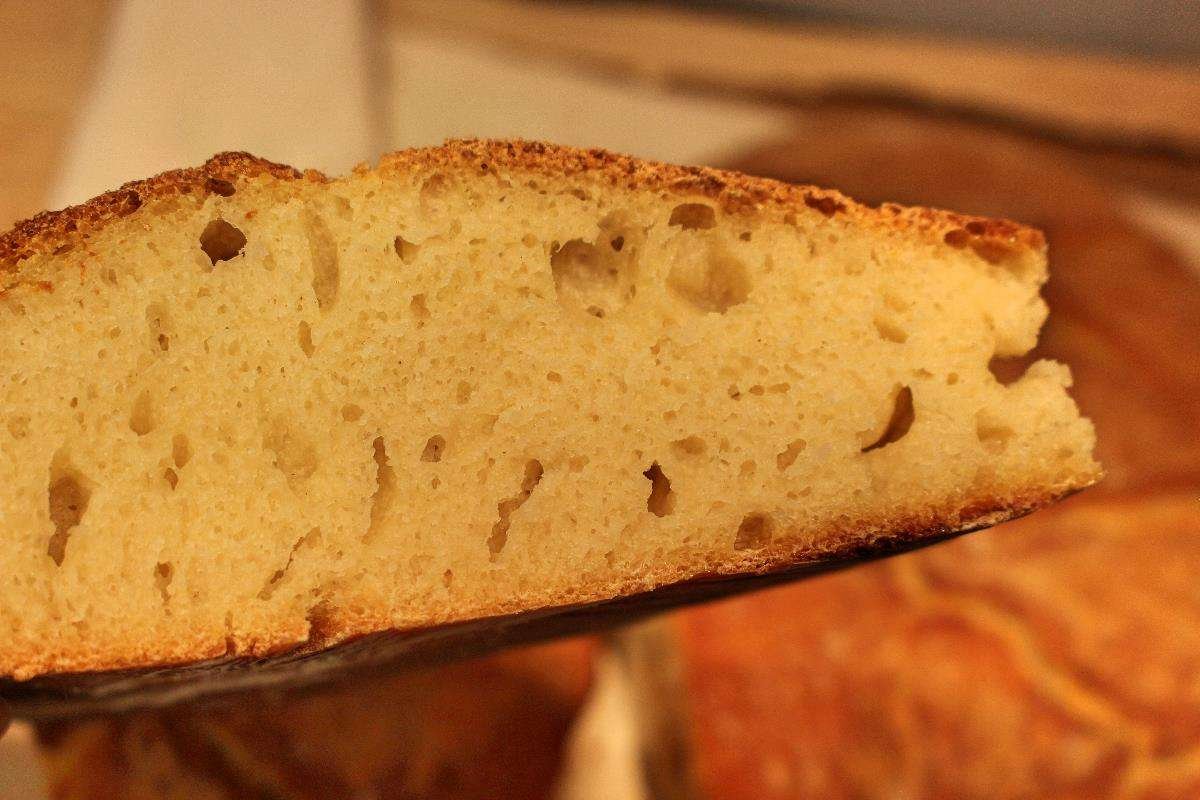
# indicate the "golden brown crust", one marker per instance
pixel 734 192
pixel 992 239
pixel 52 231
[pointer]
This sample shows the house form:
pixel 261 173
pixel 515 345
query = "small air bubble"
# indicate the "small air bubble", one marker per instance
pixel 304 334
pixel 661 501
pixel 405 249
pixel 693 216
pixel 754 532
pixel 221 241
pixel 433 449
pixel 692 446
pixel 181 450
pixel 141 418
pixel 18 426
pixel 790 453
pixel 901 420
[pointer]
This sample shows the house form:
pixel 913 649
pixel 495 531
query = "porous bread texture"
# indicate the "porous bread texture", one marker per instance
pixel 245 409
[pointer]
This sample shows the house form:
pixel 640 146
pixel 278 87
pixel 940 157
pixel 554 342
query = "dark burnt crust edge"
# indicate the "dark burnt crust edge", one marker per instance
pixel 994 240
pixel 316 663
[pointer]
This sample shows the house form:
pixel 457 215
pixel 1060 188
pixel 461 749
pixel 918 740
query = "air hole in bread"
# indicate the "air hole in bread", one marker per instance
pixel 293 454
pixel 754 532
pixel 823 203
pixel 693 216
pixel 384 495
pixel 164 572
pixel 993 434
pixel 419 308
pixel 351 412
pixel 1008 370
pixel 304 336
pixel 18 426
pixel 141 417
pixel 661 500
pixel 405 249
pixel 889 330
pixel 506 508
pixel 710 279
pixel 220 187
pixel 323 253
pixel 433 449
pixel 899 422
pixel 789 454
pixel 974 235
pixel 67 501
pixel 309 540
pixel 221 241
pixel 433 189
pixel 581 266
pixel 691 446
pixel 171 477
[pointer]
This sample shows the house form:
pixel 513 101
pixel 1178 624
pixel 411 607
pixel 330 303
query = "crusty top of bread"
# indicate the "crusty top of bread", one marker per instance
pixel 994 240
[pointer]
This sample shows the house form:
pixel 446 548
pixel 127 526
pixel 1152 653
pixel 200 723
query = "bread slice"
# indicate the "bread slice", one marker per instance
pixel 246 408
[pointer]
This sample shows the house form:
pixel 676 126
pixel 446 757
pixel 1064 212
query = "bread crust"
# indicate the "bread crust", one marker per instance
pixel 339 646
pixel 994 240
pixel 54 231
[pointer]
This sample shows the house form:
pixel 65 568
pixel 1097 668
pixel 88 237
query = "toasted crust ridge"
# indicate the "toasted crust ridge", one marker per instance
pixel 993 240
pixel 51 231
pixel 733 191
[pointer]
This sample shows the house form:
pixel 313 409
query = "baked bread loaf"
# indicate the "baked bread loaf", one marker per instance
pixel 245 408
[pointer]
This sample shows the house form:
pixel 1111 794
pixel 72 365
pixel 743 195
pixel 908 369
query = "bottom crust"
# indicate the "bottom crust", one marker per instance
pixel 324 659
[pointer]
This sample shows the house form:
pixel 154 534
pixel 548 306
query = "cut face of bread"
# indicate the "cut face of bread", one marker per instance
pixel 246 408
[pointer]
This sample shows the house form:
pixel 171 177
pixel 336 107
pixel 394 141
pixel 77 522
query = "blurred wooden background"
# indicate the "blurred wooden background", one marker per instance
pixel 1054 657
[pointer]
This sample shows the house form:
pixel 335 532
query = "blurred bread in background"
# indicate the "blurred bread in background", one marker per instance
pixel 471 730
